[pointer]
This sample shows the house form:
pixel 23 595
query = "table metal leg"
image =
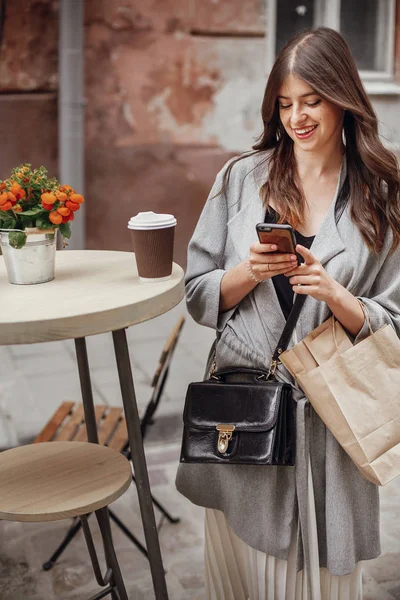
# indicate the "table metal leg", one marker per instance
pixel 86 388
pixel 139 463
pixel 92 435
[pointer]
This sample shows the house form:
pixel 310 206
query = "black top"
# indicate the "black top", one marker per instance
pixel 281 283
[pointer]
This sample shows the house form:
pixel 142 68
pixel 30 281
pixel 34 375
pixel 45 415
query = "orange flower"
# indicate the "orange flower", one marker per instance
pixel 67 189
pixel 61 196
pixel 17 190
pixel 17 208
pixel 72 205
pixel 3 198
pixel 64 211
pixel 78 198
pixel 55 217
pixel 47 206
pixel 3 185
pixel 48 197
pixel 12 197
pixel 6 206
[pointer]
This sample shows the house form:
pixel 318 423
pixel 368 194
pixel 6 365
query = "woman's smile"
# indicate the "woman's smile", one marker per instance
pixel 304 133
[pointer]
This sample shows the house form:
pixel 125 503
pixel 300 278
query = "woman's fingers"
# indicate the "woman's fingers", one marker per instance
pixel 261 248
pixel 308 256
pixel 304 269
pixel 265 262
pixel 303 280
pixel 257 259
pixel 305 290
pixel 273 268
pixel 284 271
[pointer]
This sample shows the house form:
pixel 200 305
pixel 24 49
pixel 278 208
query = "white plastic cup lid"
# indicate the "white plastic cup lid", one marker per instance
pixel 151 220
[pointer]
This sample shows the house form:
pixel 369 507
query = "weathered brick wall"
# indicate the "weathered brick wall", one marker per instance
pixel 173 90
pixel 28 85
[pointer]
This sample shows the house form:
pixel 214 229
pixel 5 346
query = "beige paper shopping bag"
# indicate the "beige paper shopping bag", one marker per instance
pixel 356 392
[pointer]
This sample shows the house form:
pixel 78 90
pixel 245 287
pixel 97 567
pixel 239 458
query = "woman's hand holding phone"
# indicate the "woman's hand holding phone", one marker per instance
pixel 265 262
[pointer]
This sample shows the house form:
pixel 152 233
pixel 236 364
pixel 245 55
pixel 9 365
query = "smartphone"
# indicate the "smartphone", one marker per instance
pixel 280 235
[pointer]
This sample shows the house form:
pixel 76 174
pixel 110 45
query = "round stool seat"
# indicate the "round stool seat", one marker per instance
pixel 56 480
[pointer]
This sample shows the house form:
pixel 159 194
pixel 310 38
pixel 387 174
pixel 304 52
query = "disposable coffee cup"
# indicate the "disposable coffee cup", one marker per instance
pixel 153 244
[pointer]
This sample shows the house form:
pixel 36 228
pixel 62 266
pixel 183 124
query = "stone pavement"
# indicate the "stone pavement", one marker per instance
pixel 34 379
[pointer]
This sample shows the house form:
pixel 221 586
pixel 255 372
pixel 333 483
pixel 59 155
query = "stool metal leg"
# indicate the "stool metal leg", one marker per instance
pixel 104 524
pixel 102 581
pixel 139 463
pixel 112 579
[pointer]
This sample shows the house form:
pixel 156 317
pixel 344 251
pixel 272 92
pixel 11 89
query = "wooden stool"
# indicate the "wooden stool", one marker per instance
pixel 57 480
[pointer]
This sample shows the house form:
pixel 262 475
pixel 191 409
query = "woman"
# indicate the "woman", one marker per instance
pixel 294 533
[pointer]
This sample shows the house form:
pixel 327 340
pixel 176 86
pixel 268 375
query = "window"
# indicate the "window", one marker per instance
pixel 367 25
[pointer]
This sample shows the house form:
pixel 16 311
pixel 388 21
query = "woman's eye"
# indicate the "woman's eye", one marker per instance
pixel 313 103
pixel 285 105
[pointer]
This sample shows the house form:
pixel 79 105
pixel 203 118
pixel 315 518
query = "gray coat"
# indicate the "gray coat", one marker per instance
pixel 263 504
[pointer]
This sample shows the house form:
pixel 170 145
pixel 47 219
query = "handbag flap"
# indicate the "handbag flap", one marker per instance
pixel 250 407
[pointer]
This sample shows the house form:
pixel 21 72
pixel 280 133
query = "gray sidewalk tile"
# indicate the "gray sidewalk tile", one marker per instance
pixel 38 364
pixel 43 349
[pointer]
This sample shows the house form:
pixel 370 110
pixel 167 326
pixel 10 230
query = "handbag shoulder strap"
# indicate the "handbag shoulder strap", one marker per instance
pixel 287 332
pixel 283 340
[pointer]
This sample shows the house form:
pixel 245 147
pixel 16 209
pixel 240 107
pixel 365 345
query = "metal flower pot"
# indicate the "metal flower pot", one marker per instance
pixel 34 262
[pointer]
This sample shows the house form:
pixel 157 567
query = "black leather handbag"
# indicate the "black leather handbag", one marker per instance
pixel 242 416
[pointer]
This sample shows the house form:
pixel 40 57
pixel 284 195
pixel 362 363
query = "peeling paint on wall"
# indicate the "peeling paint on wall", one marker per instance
pixel 187 88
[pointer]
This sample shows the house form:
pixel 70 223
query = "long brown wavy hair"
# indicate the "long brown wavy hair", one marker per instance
pixel 322 58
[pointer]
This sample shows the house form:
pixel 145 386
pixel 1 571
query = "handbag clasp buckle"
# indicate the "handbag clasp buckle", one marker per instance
pixel 273 367
pixel 224 436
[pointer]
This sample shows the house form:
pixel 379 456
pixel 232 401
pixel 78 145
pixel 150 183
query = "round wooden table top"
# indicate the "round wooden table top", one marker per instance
pixel 94 291
pixel 56 480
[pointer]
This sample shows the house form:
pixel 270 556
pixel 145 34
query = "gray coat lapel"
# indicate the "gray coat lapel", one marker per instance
pixel 327 242
pixel 242 227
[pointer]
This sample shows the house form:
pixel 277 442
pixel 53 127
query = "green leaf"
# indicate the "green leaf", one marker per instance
pixel 43 222
pixel 17 239
pixel 7 220
pixel 65 230
pixel 33 212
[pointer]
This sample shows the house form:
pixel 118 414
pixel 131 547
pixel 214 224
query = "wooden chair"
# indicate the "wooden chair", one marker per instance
pixel 67 424
pixel 48 482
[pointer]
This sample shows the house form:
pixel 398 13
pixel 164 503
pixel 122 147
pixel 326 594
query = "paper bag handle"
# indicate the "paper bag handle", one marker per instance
pixel 367 318
pixel 366 314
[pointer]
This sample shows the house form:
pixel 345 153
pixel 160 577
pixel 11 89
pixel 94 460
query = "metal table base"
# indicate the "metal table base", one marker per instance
pixel 138 459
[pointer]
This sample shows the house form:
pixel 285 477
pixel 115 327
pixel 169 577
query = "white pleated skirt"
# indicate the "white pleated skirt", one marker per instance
pixel 235 571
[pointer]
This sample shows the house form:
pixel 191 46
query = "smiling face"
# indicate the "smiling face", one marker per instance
pixel 314 124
